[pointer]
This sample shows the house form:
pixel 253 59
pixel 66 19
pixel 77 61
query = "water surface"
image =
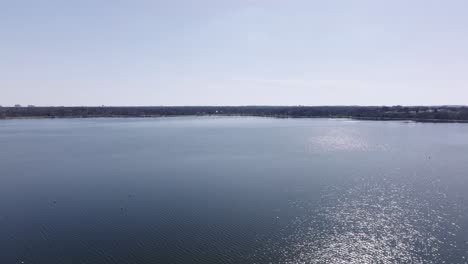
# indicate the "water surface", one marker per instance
pixel 232 190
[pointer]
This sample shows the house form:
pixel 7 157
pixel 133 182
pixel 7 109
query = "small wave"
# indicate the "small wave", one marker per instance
pixel 372 223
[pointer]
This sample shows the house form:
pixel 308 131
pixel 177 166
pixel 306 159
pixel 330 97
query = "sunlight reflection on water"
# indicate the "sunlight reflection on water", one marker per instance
pixel 372 223
pixel 342 140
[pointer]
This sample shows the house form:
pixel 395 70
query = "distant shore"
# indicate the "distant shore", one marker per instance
pixel 433 114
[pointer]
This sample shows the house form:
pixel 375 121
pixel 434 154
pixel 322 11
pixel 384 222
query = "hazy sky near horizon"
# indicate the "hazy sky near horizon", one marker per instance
pixel 214 52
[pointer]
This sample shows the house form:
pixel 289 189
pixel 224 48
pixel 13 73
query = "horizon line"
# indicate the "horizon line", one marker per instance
pixel 354 105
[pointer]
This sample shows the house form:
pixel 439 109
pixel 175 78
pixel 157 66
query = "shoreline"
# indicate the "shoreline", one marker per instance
pixel 422 114
pixel 416 120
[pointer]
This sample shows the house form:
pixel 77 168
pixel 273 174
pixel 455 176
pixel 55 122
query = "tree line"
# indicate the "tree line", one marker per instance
pixel 416 113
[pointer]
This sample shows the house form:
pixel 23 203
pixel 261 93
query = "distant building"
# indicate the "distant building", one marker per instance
pixel 17 105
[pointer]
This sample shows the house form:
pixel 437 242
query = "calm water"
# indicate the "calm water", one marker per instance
pixel 232 190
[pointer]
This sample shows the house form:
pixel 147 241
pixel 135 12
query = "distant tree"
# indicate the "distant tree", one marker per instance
pixel 443 113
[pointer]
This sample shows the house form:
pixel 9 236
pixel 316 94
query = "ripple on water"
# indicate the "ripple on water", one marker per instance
pixel 372 223
pixel 343 140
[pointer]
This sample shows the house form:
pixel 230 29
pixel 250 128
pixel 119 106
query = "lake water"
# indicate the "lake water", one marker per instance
pixel 232 190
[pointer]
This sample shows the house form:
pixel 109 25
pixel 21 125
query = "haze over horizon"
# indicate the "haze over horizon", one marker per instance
pixel 134 53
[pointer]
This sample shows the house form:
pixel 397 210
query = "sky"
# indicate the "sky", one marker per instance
pixel 220 52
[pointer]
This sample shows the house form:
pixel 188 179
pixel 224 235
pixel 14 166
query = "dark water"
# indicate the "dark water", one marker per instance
pixel 232 190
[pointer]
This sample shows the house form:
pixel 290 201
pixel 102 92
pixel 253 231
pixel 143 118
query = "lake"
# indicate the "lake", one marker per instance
pixel 232 190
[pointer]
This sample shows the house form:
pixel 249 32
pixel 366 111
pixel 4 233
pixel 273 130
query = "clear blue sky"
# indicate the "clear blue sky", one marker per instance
pixel 214 52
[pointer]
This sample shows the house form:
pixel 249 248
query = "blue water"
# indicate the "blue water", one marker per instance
pixel 232 190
